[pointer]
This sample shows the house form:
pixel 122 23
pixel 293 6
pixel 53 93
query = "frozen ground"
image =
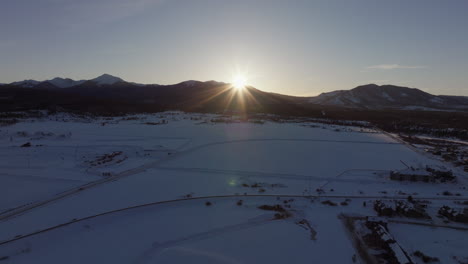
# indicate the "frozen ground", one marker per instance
pixel 447 244
pixel 192 232
pixel 77 168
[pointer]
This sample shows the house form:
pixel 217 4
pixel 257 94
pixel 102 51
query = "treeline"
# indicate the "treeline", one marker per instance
pixel 217 98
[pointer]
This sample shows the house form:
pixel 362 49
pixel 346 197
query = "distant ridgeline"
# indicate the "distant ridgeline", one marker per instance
pixel 392 108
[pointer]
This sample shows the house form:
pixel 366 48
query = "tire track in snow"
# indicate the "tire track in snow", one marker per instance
pixel 149 254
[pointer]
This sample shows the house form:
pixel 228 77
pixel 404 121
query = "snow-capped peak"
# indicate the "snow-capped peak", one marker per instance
pixel 106 79
pixel 64 83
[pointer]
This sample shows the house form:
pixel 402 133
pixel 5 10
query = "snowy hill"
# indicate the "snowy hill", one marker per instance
pixel 106 79
pixel 26 83
pixel 64 82
pixel 373 96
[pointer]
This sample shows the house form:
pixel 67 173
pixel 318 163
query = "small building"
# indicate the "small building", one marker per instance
pixel 427 174
pixel 454 214
pixel 415 175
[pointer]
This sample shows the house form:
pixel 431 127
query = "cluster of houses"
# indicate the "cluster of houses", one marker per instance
pixel 427 174
pixel 454 214
pixel 453 154
pixel 383 243
pixel 400 208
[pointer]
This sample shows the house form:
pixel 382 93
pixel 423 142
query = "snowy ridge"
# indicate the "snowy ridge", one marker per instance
pixel 26 83
pixel 65 82
pixel 373 96
pixel 58 82
pixel 369 96
pixel 106 79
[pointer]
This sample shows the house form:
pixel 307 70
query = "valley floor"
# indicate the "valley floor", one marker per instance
pixel 175 187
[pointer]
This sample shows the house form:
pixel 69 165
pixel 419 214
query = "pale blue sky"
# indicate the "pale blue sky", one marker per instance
pixel 292 47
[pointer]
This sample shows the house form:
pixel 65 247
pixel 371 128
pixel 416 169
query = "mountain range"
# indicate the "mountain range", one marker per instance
pixel 373 96
pixel 105 79
pixel 212 95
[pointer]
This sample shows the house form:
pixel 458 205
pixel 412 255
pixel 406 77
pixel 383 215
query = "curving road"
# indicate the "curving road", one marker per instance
pixel 220 197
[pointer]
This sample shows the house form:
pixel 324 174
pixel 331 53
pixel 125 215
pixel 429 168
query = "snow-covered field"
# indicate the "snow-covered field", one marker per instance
pixel 447 244
pixel 192 173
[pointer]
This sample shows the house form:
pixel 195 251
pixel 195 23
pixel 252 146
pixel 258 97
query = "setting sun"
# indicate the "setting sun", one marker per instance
pixel 239 82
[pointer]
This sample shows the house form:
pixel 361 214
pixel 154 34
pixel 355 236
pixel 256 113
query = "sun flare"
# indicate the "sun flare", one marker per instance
pixel 239 82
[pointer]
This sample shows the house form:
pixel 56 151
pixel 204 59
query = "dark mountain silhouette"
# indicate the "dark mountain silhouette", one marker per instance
pixel 380 106
pixel 107 91
pixel 113 94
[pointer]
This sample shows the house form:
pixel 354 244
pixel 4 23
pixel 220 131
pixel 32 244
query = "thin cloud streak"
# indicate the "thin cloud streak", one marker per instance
pixel 395 66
